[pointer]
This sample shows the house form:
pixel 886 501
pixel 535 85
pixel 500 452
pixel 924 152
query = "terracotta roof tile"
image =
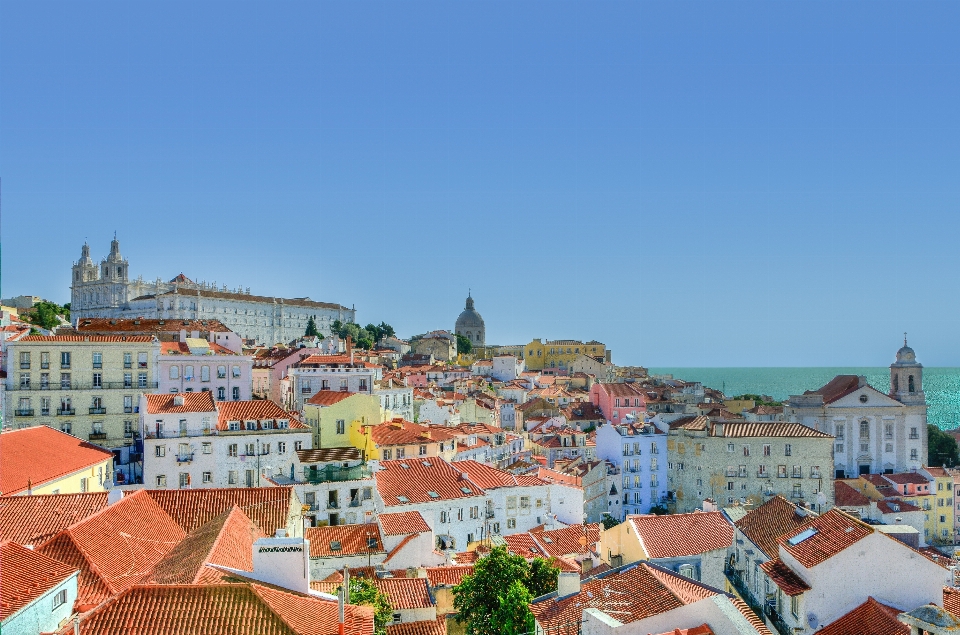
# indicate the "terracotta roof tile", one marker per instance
pixel 765 524
pixel 166 403
pixel 419 478
pixel 326 455
pixel 116 547
pixel 226 540
pixel 31 520
pixel 255 409
pixel 951 600
pixel 450 575
pixel 839 386
pixel 847 496
pixel 138 339
pixel 25 576
pixel 329 397
pixel 402 523
pixel 268 507
pixel 226 609
pixel 40 454
pixel 423 627
pixel 678 535
pixel 566 541
pixel 343 540
pixel 784 577
pixel 896 506
pixel 870 618
pixel 833 532
pixel 405 593
pixel 907 478
pixel 771 429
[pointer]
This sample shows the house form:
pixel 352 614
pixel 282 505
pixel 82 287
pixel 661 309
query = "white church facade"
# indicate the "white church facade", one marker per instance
pixel 874 432
pixel 106 291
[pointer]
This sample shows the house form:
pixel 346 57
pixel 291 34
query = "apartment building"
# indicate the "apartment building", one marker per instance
pixel 330 372
pixel 639 454
pixel 85 385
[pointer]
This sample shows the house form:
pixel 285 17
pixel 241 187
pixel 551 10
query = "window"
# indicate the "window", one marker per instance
pixel 188 373
pixel 787 450
pixel 204 373
pixel 65 360
pixel 281 447
pixel 24 381
pixel 401 453
pixel 59 599
pixel 914 434
pixel 221 393
pixel 184 479
pixel 795 605
pixel 250 449
pixel 207 448
pixel 781 471
pixel 98 360
pixel 766 449
pixel 913 454
pixel 235 370
pixel 98 380
pixel 45 406
pixel 221 372
pixel 840 430
pixel 888 447
pixel 161 480
pixel 128 360
pixel 341 426
pixel 298 445
pixel 232 449
pixel 797 471
pixel 232 477
pixel 423 450
pixel 25 360
pixel 746 450
pixel 864 430
pixel 128 429
pixel 66 428
pixel 44 360
pixel 888 431
pixel 511 523
pixel 236 393
pixel 496 528
pixel 160 450
pixel 128 404
pixel 207 477
pixel 141 380
pixel 174 372
pixel 141 360
pixel 730 447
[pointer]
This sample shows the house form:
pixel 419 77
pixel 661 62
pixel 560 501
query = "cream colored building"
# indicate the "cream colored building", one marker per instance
pixel 85 385
pixel 748 463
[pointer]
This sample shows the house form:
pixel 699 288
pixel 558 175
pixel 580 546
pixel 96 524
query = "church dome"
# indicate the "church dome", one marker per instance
pixel 906 355
pixel 469 318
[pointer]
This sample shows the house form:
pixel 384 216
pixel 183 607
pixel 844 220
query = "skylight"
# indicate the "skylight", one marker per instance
pixel 427 464
pixel 334 545
pixel 403 499
pixel 405 466
pixel 466 490
pixel 547 539
pixel 803 535
pixel 433 495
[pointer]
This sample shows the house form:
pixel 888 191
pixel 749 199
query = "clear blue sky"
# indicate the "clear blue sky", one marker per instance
pixel 694 184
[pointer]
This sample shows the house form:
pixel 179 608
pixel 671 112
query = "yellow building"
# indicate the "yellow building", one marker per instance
pixel 558 355
pixel 931 490
pixel 84 385
pixel 338 418
pixel 941 516
pixel 41 460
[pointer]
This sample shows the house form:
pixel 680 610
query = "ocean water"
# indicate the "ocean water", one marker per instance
pixel 941 385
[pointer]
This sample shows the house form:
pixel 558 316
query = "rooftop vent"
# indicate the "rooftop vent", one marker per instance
pixel 335 545
pixel 178 400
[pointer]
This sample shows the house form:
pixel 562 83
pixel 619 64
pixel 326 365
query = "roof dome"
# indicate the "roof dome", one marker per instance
pixel 469 318
pixel 906 355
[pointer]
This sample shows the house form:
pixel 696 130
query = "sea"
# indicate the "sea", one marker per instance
pixel 941 385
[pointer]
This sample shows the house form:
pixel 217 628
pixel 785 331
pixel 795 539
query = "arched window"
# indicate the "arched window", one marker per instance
pixel 864 429
pixel 910 386
pixel 896 383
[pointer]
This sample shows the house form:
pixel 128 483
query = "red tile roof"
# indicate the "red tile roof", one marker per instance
pixel 38 455
pixel 405 593
pixel 765 524
pixel 402 432
pixel 839 386
pixel 847 496
pixel 256 409
pixel 116 547
pixel 181 348
pixel 403 523
pixel 907 478
pixel 419 478
pixel 870 618
pixel 951 600
pixel 628 595
pixel 226 609
pixel 88 338
pixel 423 627
pixel 165 403
pixel 784 577
pixel 567 541
pixel 677 535
pixel 329 397
pixel 352 538
pixel 25 576
pixel 31 520
pixel 772 429
pixel 268 507
pixel 896 506
pixel 834 532
pixel 226 540
pixel 450 575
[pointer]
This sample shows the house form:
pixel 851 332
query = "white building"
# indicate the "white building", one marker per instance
pixel 875 433
pixel 107 291
pixel 190 440
pixel 396 398
pixel 195 365
pixel 467 501
pixel 330 372
pixel 507 367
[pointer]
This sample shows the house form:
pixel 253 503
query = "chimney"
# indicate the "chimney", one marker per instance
pixel 178 400
pixel 114 496
pixel 568 583
pixel 283 561
pixel 350 348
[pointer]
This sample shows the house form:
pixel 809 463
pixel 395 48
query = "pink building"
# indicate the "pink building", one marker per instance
pixel 616 401
pixel 197 365
pixel 270 365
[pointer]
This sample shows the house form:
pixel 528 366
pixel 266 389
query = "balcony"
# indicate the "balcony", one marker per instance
pixel 24 412
pixel 174 434
pixel 98 410
pixel 796 494
pixel 333 505
pixel 763 474
pixel 66 412
pixel 334 474
pixel 778 623
pixel 185 458
pixel 97 436
pixel 75 385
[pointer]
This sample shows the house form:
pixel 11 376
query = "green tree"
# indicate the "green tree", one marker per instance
pixel 543 576
pixel 44 314
pixel 464 346
pixel 364 593
pixel 496 598
pixel 942 450
pixel 609 521
pixel 386 330
pixel 659 510
pixel 312 328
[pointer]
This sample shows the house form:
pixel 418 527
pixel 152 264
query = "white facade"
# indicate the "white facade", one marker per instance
pixel 397 399
pixel 444 414
pixel 639 452
pixel 507 367
pixel 307 380
pixel 107 291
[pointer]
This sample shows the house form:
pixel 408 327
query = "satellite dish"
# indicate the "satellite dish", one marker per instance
pixel 821 498
pixel 812 620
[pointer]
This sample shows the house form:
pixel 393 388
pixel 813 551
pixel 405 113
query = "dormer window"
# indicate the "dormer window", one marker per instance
pixel 234 425
pixel 283 424
pixel 251 425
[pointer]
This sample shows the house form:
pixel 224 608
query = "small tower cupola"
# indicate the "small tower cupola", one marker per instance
pixel 906 377
pixel 114 267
